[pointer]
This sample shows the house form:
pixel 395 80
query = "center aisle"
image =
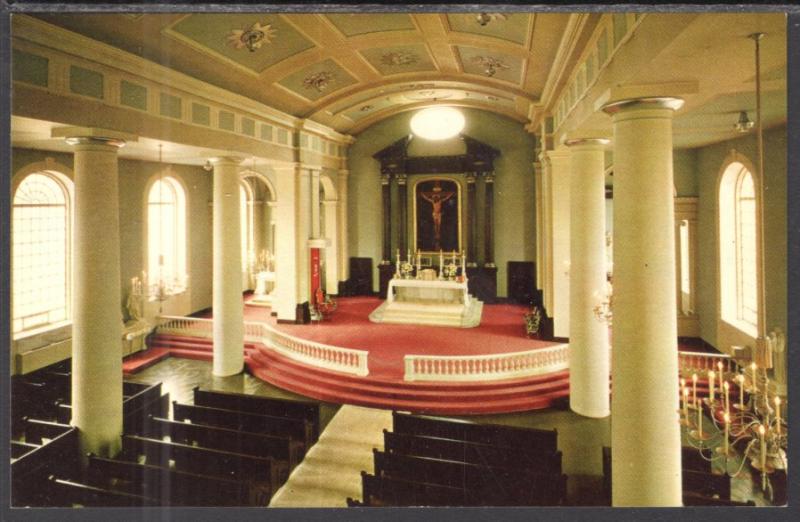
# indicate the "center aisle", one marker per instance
pixel 331 470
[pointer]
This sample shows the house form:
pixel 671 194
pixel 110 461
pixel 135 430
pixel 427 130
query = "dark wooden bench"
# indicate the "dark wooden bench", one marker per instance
pixel 37 430
pixel 387 491
pixel 67 493
pixel 531 439
pixel 171 486
pixel 695 459
pixel 462 451
pixel 58 455
pixel 135 409
pixel 296 429
pixel 489 485
pixel 19 449
pixel 262 471
pixel 286 452
pixel 260 405
pixel 696 499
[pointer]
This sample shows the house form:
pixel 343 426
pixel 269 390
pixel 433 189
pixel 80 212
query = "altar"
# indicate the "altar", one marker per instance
pixel 265 283
pixel 432 302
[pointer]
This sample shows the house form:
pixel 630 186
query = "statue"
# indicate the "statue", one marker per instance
pixel 436 197
pixel 776 344
pixel 134 302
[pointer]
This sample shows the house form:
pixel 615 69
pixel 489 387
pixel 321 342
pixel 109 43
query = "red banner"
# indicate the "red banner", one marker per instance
pixel 315 278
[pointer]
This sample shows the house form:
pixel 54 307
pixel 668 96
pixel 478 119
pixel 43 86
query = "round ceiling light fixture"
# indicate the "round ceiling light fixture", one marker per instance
pixel 437 123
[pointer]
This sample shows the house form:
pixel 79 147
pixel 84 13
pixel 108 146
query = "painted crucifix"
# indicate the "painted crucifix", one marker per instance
pixel 436 197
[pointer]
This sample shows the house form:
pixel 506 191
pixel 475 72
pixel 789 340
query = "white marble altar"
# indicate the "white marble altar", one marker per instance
pixel 438 302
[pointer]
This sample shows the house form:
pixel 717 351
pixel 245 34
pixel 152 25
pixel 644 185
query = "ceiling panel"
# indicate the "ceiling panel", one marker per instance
pixel 490 64
pixel 356 24
pixel 512 27
pixel 318 80
pixel 399 59
pixel 215 33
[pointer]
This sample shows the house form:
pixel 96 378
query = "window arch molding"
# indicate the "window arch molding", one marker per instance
pixel 739 309
pixel 32 314
pixel 182 227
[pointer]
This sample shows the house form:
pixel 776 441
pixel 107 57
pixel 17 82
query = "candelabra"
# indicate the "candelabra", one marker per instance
pixel 750 430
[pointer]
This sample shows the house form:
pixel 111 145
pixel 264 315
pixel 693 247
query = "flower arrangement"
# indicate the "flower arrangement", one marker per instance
pixel 450 271
pixel 532 320
pixel 406 268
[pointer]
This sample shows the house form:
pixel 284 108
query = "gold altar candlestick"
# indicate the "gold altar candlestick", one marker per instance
pixel 711 386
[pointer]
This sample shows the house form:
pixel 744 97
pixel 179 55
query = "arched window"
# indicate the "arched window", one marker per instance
pixel 246 217
pixel 738 248
pixel 41 245
pixel 166 234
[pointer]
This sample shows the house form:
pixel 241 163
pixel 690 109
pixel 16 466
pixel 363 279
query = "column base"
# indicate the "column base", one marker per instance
pixel 594 414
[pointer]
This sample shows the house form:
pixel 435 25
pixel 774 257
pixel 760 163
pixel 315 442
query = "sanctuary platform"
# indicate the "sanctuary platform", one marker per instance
pixel 436 302
pixel 423 369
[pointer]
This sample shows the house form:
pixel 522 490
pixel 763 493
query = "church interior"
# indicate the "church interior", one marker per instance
pixel 327 259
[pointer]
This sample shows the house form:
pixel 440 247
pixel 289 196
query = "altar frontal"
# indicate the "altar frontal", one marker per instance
pixel 430 298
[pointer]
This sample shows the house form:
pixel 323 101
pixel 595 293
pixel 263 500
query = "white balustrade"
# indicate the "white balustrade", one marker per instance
pixel 486 367
pixel 327 357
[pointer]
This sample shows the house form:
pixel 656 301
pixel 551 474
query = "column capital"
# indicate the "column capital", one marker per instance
pixel 386 179
pixel 227 160
pixel 92 136
pixel 471 177
pixel 586 142
pixel 648 102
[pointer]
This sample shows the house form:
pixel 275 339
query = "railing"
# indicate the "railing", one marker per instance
pixel 335 358
pixel 701 363
pixel 486 367
pixel 189 326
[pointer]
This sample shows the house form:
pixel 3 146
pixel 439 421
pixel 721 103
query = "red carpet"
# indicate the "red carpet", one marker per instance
pixel 502 330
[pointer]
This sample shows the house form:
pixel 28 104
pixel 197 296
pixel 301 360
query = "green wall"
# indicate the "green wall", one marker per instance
pixel 514 215
pixel 709 162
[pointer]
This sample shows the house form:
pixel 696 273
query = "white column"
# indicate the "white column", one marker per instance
pixel 342 232
pixel 227 284
pixel 588 336
pixel 539 209
pixel 559 237
pixel 547 237
pixel 285 216
pixel 315 225
pixel 304 229
pixel 330 208
pixel 97 316
pixel 645 434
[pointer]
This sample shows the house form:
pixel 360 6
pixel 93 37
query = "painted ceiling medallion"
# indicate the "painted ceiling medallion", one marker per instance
pixel 485 18
pixel 490 63
pixel 319 81
pixel 399 58
pixel 366 108
pixel 252 38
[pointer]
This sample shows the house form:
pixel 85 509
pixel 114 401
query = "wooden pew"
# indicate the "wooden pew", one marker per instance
pixel 262 471
pixel 138 407
pixel 296 429
pixel 387 491
pixel 494 434
pixel 173 487
pixel 482 454
pixel 286 452
pixel 260 405
pixel 36 430
pixel 29 472
pixel 696 499
pixel 693 459
pixel 67 493
pixel 19 449
pixel 492 485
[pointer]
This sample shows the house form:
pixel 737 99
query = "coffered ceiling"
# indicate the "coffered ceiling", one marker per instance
pixel 350 70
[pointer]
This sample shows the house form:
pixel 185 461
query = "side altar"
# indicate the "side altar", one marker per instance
pixel 427 299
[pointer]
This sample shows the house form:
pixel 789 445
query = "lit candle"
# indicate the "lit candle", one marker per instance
pixel 686 403
pixel 761 432
pixel 700 422
pixel 727 419
pixel 711 385
pixel 719 367
pixel 694 389
pixel 777 415
pixel 726 387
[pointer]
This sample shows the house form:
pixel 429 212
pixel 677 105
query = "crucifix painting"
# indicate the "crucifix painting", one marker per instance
pixel 437 215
